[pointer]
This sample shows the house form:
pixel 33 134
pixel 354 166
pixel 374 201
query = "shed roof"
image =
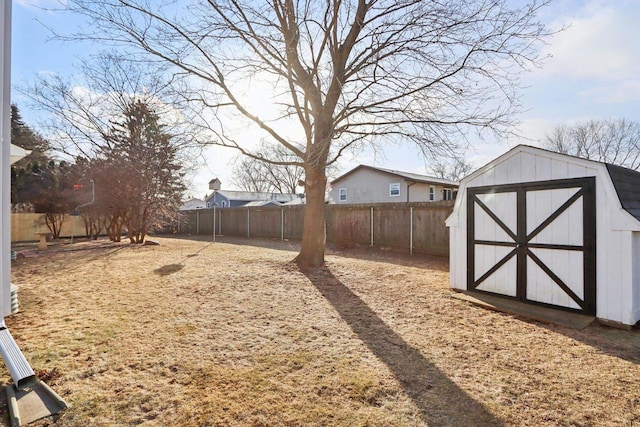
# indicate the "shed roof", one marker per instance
pixel 409 176
pixel 625 181
pixel 627 185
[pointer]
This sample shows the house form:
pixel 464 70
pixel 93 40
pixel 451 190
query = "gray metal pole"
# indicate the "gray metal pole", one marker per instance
pixel 75 211
pixel 371 227
pixel 214 216
pixel 282 224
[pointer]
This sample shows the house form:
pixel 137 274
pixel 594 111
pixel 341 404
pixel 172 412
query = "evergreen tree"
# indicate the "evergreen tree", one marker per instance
pixel 23 136
pixel 25 174
pixel 148 180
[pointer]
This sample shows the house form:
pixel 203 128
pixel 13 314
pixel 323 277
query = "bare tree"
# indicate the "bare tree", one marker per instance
pixel 51 194
pixel 341 74
pixel 283 177
pixel 249 175
pixel 81 109
pixel 615 141
pixel 453 169
pixel 114 123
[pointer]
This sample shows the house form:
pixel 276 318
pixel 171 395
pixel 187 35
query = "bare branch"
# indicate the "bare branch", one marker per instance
pixel 615 141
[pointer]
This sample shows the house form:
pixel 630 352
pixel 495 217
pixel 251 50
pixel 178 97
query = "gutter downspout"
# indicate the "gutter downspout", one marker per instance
pixel 408 187
pixel 17 365
pixel 42 401
pixel 5 155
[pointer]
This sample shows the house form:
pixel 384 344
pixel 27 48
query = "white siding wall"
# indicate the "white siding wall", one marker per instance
pixel 636 277
pixel 617 263
pixel 5 139
pixel 614 283
pixel 369 186
pixel 419 192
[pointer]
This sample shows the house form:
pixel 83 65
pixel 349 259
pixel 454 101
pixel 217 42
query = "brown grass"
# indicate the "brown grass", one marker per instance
pixel 200 334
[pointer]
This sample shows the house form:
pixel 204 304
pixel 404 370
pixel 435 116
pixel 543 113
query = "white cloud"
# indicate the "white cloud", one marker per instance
pixel 602 42
pixel 621 92
pixel 532 131
pixel 529 132
pixel 42 4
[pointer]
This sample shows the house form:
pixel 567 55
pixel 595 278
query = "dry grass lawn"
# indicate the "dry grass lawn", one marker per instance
pixel 199 334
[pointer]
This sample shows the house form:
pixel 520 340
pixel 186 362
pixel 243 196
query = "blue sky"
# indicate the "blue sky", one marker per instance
pixel 593 72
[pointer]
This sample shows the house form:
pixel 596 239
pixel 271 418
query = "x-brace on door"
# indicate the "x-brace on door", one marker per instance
pixel 535 242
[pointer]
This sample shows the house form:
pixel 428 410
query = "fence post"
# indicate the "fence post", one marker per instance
pixel 220 222
pixel 411 231
pixel 371 226
pixel 197 222
pixel 282 224
pixel 248 223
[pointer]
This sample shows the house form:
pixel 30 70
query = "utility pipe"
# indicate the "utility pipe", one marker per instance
pixel 411 231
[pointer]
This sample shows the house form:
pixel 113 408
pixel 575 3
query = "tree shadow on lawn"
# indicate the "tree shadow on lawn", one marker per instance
pixel 440 401
pixel 374 254
pixel 168 269
pixel 405 259
pixel 259 242
pixel 620 343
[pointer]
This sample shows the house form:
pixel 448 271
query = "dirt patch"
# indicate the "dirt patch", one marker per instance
pixel 195 333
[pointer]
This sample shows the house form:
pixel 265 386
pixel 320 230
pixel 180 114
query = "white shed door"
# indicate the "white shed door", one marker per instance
pixel 534 242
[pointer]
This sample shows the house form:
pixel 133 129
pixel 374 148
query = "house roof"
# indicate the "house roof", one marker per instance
pixel 262 203
pixel 18 153
pixel 408 176
pixel 250 196
pixel 296 201
pixel 193 203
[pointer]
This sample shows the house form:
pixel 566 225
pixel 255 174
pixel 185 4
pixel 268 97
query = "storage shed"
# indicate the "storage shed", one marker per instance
pixel 550 229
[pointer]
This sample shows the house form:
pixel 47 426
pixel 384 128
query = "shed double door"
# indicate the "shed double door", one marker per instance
pixel 534 242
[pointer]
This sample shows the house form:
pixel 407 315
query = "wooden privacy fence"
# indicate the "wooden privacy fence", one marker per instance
pixel 414 227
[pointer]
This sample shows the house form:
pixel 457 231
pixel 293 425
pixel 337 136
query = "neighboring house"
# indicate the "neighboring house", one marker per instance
pixel 192 204
pixel 368 184
pixel 234 199
pixel 301 200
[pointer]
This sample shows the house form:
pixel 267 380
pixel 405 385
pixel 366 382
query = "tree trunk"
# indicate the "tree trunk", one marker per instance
pixel 118 229
pixel 53 222
pixel 314 231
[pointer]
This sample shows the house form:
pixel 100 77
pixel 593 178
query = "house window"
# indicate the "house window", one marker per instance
pixel 342 194
pixel 224 203
pixel 447 194
pixel 394 189
pixel 432 193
